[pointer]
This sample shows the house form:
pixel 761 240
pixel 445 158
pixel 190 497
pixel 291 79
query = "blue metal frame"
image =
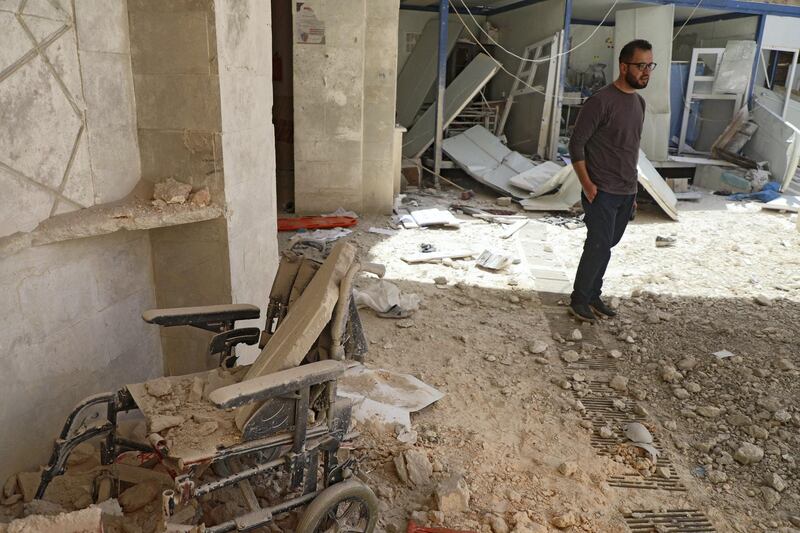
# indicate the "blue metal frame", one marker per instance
pixel 740 6
pixel 441 80
pixel 434 8
pixel 759 39
pixel 587 22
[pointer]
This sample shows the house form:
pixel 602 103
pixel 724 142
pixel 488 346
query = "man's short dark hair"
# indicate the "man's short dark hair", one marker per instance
pixel 626 54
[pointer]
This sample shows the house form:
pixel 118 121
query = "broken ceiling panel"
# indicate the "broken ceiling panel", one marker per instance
pixel 481 155
pixel 654 184
pixel 419 72
pixel 458 94
pixel 777 142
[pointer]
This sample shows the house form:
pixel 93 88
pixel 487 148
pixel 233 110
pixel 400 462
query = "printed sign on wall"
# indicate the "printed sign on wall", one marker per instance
pixel 308 28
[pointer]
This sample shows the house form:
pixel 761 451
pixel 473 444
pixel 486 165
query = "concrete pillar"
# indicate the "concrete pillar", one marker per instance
pixel 380 91
pixel 244 45
pixel 203 78
pixel 329 105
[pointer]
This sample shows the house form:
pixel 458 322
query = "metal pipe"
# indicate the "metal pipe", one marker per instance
pixel 237 477
pixel 444 12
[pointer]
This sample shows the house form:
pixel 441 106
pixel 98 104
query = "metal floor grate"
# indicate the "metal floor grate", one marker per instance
pixel 601 411
pixel 672 483
pixel 678 521
pixel 596 363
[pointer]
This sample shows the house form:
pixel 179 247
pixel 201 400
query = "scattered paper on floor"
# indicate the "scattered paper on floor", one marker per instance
pixel 384 396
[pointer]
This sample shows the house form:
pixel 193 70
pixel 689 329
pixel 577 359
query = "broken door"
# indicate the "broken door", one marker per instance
pixel 656 25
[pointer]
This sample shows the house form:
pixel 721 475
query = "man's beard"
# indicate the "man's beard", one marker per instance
pixel 634 82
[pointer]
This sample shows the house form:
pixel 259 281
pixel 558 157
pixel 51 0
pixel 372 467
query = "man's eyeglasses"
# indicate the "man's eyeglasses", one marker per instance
pixel 644 66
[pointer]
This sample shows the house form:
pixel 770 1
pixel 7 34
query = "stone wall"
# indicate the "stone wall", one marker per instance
pixel 71 328
pixel 71 311
pixel 80 93
pixel 66 105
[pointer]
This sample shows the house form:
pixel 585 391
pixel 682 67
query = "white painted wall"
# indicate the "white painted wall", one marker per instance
pixel 598 49
pixel 518 29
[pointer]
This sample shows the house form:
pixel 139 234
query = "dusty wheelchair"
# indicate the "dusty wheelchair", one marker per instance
pixel 228 426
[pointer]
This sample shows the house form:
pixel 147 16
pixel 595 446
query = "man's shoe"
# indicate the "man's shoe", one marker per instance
pixel 582 312
pixel 601 308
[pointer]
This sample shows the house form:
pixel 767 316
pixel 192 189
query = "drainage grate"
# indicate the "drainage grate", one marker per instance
pixel 597 363
pixel 671 483
pixel 678 521
pixel 601 411
pixel 600 405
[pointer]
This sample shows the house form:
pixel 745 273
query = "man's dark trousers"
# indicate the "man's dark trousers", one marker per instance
pixel 606 219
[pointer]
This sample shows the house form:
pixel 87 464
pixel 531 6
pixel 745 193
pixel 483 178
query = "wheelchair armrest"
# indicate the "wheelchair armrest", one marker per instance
pixel 205 317
pixel 276 384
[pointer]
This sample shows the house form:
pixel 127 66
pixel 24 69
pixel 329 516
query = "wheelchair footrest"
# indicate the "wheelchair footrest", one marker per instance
pixel 253 520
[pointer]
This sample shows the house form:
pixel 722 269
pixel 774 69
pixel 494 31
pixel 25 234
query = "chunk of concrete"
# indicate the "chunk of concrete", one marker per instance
pixel 452 495
pixel 162 422
pixel 172 191
pixel 28 484
pixel 419 467
pixel 139 495
pixel 158 387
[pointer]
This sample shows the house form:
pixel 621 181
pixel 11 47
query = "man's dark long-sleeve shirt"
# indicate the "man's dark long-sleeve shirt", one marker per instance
pixel 607 135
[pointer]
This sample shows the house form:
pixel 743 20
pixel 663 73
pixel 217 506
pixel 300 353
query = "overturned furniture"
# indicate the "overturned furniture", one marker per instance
pixel 229 426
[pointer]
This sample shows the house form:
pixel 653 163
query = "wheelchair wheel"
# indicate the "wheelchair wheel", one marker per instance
pixel 346 507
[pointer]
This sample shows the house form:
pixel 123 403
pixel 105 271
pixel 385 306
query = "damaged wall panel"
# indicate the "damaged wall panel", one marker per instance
pixel 419 72
pixel 777 142
pixel 518 29
pixel 459 93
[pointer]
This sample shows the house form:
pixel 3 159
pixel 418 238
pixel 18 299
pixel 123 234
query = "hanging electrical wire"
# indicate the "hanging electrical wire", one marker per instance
pixel 687 20
pixel 537 60
pixel 497 62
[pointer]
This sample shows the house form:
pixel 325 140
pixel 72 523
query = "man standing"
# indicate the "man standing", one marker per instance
pixel 605 149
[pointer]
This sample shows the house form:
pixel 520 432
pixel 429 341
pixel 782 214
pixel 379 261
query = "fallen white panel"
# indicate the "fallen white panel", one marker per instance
pixel 570 192
pixel 777 142
pixel 538 179
pixel 564 199
pixel 385 397
pixel 697 160
pixel 515 227
pixel 434 217
pixel 784 203
pixel 419 72
pixel 460 93
pixel 438 256
pixel 655 185
pixel 733 73
pixel 481 155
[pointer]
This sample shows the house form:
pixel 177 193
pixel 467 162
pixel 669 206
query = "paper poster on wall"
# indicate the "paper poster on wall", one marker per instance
pixel 308 28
